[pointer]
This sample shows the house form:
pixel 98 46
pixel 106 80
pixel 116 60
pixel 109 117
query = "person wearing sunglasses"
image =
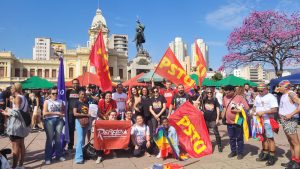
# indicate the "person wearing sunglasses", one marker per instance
pixel 289 110
pixel 53 112
pixel 265 106
pixel 157 109
pixel 211 109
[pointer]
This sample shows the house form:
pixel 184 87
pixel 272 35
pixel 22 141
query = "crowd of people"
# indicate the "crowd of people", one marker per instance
pixel 147 108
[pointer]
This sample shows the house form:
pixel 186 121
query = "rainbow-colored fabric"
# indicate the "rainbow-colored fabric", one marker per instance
pixel 257 128
pixel 241 119
pixel 163 143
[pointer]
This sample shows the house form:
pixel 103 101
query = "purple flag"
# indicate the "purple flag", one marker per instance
pixel 62 95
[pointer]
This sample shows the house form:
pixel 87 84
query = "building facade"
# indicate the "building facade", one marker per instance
pixel 253 73
pixel 41 49
pixel 76 61
pixel 204 49
pixel 179 48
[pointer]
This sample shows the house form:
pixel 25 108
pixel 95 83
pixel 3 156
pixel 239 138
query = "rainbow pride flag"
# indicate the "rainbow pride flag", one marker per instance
pixel 241 119
pixel 164 143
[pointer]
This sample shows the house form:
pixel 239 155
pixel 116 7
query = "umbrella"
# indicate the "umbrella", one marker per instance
pixel 294 79
pixel 36 82
pixel 147 77
pixel 133 81
pixel 234 81
pixel 206 81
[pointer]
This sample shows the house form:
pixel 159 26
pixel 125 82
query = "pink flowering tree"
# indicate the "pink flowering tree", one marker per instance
pixel 266 37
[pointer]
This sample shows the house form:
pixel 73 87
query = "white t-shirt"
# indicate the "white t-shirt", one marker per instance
pixel 219 97
pixel 120 100
pixel 54 106
pixel 265 103
pixel 140 133
pixel 287 106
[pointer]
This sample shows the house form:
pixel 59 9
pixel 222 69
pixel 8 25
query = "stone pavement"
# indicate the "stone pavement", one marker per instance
pixel 35 146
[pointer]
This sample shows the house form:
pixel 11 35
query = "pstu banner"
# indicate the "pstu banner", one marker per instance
pixel 170 68
pixel 111 134
pixel 191 129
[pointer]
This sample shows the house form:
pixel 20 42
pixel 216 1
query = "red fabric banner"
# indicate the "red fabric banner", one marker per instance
pixel 191 129
pixel 170 68
pixel 200 63
pixel 111 134
pixel 99 59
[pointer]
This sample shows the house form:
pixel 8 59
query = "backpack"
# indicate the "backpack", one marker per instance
pixel 25 115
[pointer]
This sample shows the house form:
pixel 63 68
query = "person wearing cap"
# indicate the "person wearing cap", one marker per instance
pixel 232 104
pixel 211 109
pixel 265 106
pixel 289 109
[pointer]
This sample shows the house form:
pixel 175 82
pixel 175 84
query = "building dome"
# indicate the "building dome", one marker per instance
pixel 98 20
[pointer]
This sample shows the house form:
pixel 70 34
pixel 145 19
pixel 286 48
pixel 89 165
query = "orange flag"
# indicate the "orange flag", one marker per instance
pixel 170 68
pixel 99 59
pixel 200 63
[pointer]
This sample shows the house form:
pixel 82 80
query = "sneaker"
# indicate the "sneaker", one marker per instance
pixel 294 165
pixel 232 154
pixel 262 157
pixel 99 159
pixel 288 164
pixel 62 159
pixel 239 156
pixel 79 162
pixel 47 162
pixel 271 161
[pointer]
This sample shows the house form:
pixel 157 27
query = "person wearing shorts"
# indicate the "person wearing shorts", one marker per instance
pixel 265 106
pixel 289 109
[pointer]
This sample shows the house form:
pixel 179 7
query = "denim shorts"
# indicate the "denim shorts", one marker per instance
pixel 268 131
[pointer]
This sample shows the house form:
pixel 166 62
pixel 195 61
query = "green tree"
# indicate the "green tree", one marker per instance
pixel 217 76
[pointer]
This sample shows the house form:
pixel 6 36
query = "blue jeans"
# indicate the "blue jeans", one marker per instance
pixel 81 133
pixel 53 128
pixel 236 137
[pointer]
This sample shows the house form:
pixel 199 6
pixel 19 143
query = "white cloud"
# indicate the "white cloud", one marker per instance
pixel 227 16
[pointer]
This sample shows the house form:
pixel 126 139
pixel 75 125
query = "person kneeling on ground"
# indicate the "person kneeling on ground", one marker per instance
pixel 140 137
pixel 172 135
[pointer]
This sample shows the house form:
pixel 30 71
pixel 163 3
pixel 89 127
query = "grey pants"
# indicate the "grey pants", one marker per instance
pixel 214 126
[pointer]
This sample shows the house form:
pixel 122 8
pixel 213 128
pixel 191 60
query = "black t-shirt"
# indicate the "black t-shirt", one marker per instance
pixel 82 107
pixel 178 100
pixel 145 104
pixel 210 109
pixel 72 97
pixel 157 103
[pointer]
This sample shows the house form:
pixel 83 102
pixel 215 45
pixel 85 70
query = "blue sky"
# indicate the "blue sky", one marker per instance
pixel 68 21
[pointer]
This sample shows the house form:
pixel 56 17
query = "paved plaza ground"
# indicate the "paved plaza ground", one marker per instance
pixel 35 146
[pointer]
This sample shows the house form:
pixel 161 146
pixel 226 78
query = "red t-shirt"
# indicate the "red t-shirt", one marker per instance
pixel 168 94
pixel 237 100
pixel 105 108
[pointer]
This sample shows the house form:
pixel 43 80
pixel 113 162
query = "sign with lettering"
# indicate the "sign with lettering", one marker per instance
pixel 111 134
pixel 191 130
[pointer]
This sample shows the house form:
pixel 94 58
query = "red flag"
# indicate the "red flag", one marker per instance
pixel 200 63
pixel 170 68
pixel 99 59
pixel 191 130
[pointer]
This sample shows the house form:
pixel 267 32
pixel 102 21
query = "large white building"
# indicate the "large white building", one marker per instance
pixel 179 48
pixel 42 49
pixel 118 42
pixel 253 73
pixel 204 49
